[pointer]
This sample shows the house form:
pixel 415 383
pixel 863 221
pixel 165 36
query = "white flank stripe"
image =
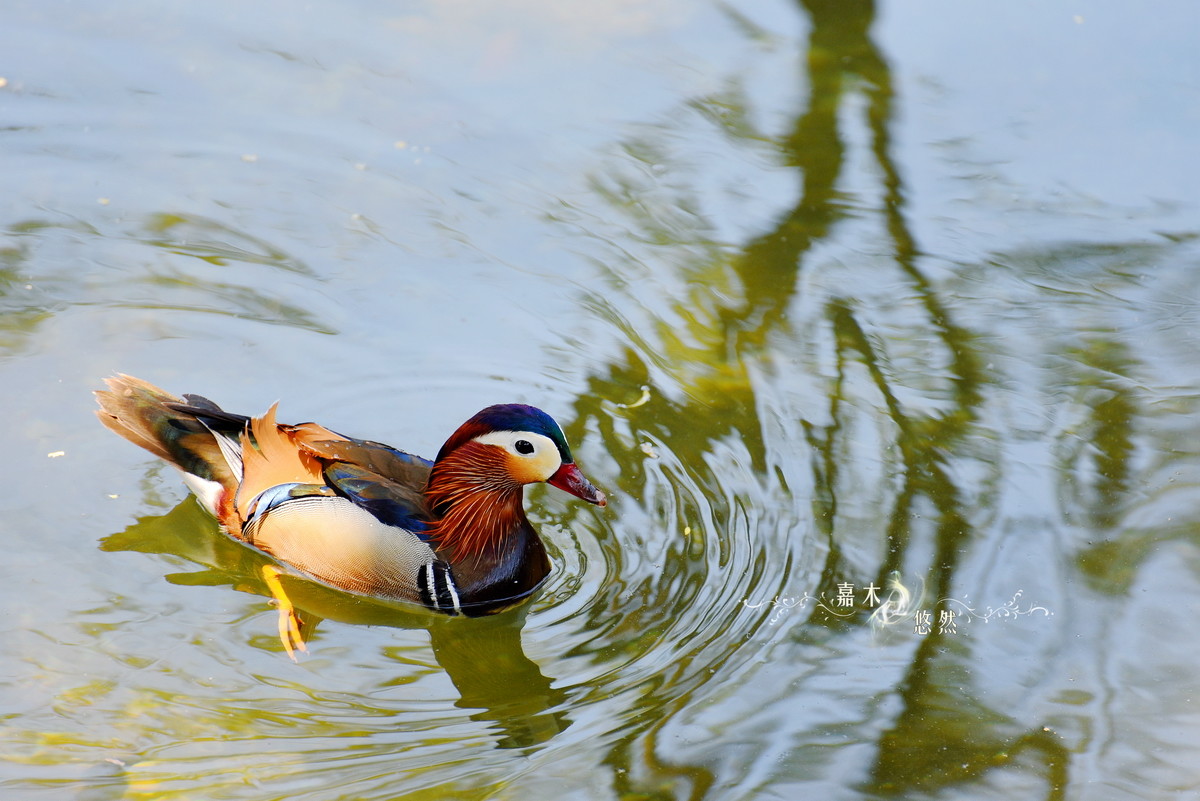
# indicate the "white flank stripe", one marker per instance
pixel 430 584
pixel 453 593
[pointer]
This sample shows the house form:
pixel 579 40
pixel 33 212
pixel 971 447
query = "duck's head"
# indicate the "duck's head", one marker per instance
pixel 514 444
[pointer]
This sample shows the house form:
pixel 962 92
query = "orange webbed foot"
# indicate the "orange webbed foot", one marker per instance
pixel 289 621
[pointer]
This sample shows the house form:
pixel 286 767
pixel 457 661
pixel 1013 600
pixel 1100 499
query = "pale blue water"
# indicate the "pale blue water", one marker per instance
pixel 824 293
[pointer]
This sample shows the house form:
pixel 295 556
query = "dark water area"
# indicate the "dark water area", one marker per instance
pixel 878 322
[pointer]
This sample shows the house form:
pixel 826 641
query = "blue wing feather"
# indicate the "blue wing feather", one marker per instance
pixel 388 501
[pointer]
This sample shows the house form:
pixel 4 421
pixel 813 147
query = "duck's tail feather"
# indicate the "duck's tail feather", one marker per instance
pixel 192 433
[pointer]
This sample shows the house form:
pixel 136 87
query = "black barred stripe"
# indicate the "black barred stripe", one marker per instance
pixel 436 585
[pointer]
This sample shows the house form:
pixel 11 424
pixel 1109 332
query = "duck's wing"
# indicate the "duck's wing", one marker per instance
pixel 387 462
pixel 388 483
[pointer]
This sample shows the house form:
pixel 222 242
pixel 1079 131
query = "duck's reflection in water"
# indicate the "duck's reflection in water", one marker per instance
pixel 483 657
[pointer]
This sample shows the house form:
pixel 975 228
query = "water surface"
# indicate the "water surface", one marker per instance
pixel 878 323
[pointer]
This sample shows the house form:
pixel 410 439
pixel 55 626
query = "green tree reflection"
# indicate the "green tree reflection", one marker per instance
pixel 723 315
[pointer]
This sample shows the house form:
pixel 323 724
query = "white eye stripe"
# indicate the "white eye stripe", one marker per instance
pixel 509 439
pixel 543 459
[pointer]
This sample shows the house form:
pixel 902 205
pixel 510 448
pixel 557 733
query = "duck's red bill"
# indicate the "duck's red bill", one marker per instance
pixel 568 479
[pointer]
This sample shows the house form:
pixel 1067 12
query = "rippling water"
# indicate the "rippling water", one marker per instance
pixel 878 323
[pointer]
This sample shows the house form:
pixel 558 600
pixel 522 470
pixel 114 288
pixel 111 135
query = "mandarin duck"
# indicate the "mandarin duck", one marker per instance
pixel 360 516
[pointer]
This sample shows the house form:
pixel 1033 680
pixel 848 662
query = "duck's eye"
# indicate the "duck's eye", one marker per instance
pixel 523 446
